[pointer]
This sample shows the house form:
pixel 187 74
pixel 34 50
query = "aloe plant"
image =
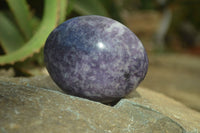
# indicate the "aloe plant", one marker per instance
pixel 17 38
pixel 20 39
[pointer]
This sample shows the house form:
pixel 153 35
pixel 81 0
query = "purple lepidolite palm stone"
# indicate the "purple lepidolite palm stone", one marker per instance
pixel 96 58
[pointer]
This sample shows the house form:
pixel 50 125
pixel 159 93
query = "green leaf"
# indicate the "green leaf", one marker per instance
pixel 49 22
pixel 113 9
pixel 90 7
pixel 22 15
pixel 63 10
pixel 35 22
pixel 70 6
pixel 10 37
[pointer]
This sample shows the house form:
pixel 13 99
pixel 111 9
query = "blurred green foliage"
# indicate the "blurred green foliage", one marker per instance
pixel 108 8
pixel 25 26
pixel 187 10
pixel 185 26
pixel 26 42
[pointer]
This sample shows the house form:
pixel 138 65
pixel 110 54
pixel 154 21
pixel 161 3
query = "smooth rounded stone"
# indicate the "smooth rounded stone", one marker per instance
pixel 95 57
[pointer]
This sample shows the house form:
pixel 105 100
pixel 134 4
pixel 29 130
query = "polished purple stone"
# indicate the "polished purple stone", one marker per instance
pixel 95 57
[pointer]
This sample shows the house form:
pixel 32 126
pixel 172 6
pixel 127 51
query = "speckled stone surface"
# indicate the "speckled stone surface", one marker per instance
pixel 96 58
pixel 36 105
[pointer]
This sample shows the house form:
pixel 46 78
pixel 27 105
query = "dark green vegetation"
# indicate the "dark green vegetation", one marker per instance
pixel 25 25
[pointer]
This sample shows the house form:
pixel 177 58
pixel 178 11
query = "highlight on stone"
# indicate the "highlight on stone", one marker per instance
pixel 95 57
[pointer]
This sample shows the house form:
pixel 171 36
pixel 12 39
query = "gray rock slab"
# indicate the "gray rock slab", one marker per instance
pixel 36 105
pixel 175 75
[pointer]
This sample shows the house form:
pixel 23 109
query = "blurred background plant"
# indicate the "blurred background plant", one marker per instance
pixel 25 25
pixel 23 32
pixel 166 27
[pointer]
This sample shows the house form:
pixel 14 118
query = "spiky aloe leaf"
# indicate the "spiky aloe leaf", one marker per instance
pixel 10 37
pixel 22 16
pixel 63 10
pixel 51 18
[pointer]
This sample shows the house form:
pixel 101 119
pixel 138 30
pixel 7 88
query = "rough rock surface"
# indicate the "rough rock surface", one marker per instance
pixel 175 75
pixel 37 105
